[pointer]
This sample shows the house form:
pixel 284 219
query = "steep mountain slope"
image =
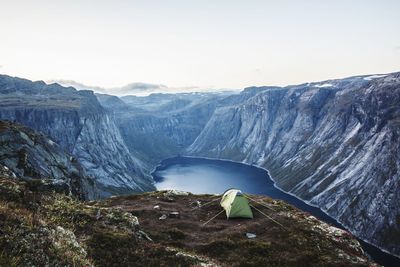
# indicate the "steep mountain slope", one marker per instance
pixel 334 144
pixel 31 156
pixel 162 125
pixel 76 121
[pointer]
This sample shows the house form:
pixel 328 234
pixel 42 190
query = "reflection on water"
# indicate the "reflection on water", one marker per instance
pixel 212 177
pixel 199 175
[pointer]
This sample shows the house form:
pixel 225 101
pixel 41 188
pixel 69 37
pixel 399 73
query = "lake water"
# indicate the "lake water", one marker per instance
pixel 198 175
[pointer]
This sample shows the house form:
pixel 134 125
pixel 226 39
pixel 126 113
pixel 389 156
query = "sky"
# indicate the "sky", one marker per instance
pixel 201 43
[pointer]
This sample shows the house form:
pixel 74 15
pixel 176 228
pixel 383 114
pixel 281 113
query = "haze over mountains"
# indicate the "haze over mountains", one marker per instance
pixel 333 143
pixel 136 88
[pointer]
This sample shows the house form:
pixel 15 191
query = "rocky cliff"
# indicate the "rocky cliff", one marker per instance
pixel 79 124
pixel 32 157
pixel 334 144
pixel 162 125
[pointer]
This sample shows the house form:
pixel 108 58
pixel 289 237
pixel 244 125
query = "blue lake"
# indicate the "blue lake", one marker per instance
pixel 199 175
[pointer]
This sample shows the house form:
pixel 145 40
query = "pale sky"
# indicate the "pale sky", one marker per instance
pixel 205 43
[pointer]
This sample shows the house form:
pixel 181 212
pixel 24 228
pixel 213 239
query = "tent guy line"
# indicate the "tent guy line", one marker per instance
pixel 236 205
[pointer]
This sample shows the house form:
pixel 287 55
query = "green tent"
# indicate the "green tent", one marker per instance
pixel 235 204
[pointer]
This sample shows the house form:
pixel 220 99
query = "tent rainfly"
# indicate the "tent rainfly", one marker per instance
pixel 235 204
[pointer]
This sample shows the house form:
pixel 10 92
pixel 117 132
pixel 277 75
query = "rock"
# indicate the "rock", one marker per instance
pixel 163 217
pixel 157 207
pixel 174 192
pixel 98 215
pixel 250 235
pixel 174 214
pixel 196 204
pixel 168 199
pixel 44 166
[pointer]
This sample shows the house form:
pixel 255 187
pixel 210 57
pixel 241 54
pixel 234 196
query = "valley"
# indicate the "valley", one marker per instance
pixel 333 144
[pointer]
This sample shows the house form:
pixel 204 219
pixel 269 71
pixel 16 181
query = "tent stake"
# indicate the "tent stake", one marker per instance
pixel 213 217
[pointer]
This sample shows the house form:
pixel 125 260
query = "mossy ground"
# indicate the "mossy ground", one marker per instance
pixel 303 241
pixel 50 229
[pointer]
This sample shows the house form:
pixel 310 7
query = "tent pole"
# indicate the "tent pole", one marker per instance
pixel 213 217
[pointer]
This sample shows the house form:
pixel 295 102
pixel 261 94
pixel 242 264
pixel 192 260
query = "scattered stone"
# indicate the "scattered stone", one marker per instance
pixel 174 214
pixel 250 235
pixel 201 260
pixel 174 192
pixel 195 204
pixel 98 215
pixel 163 217
pixel 170 199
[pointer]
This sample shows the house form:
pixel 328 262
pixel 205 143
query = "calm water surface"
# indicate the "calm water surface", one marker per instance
pixel 198 175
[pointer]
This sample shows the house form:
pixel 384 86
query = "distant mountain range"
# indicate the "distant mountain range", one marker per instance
pixel 136 88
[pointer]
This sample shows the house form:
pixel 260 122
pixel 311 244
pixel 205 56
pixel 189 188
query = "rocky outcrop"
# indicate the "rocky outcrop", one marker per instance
pixel 32 157
pixel 334 144
pixel 80 125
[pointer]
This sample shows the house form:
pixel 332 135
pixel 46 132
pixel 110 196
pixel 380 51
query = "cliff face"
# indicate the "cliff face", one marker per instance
pixel 76 121
pixel 162 125
pixel 334 144
pixel 31 156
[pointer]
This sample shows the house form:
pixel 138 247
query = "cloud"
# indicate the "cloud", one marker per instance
pixel 397 48
pixel 136 88
pixel 77 85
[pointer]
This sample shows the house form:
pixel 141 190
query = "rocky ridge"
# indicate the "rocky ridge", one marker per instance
pixel 81 126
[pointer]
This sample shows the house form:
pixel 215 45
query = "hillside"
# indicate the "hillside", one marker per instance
pixel 31 156
pixel 77 122
pixel 334 144
pixel 41 228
